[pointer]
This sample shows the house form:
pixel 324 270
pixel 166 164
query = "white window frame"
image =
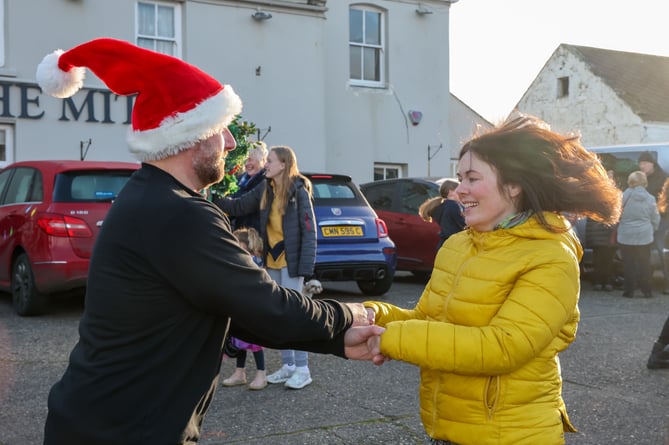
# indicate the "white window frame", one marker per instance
pixel 399 170
pixel 381 47
pixel 8 130
pixel 156 38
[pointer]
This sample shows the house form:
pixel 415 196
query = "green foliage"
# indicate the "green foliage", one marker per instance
pixel 234 162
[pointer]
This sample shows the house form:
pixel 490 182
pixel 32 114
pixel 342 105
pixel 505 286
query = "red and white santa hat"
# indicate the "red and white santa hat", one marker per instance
pixel 177 104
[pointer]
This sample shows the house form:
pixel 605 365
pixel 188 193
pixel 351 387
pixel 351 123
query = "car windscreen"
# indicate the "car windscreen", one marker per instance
pixel 89 185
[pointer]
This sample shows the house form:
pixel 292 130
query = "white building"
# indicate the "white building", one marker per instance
pixel 338 81
pixel 610 97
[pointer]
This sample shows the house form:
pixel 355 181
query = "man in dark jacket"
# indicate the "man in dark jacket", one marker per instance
pixel 167 276
pixel 654 173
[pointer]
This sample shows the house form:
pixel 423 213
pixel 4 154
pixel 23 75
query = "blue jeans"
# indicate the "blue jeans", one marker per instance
pixel 289 356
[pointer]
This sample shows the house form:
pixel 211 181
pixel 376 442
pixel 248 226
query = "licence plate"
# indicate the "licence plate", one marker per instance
pixel 328 231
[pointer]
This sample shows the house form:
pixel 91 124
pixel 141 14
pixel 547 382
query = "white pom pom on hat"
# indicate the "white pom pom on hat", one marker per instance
pixel 177 104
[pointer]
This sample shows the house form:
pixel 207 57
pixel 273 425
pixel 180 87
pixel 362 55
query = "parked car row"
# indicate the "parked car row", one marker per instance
pixel 51 213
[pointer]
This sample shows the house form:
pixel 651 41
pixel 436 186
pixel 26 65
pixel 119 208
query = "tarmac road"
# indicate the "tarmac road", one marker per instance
pixel 611 397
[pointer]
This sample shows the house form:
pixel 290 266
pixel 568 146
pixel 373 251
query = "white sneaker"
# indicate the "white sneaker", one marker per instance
pixel 282 375
pixel 299 379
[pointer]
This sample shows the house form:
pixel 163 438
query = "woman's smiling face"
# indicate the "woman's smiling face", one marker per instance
pixel 485 205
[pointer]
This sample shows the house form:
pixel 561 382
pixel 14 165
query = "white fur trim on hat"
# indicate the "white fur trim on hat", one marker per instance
pixel 181 131
pixel 56 82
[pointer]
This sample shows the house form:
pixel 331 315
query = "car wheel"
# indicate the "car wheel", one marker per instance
pixel 374 288
pixel 25 298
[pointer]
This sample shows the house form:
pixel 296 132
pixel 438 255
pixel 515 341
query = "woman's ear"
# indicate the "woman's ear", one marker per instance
pixel 513 190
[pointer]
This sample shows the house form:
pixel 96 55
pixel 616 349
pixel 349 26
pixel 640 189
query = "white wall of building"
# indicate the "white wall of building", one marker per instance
pixel 369 125
pixel 591 107
pixel 292 73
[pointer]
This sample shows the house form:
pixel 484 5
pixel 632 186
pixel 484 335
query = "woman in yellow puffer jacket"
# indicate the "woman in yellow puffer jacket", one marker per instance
pixel 502 301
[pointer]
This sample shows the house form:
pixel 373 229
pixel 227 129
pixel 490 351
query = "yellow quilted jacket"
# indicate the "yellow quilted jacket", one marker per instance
pixel 486 334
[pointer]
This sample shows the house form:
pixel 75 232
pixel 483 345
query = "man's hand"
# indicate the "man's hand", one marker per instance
pixel 364 343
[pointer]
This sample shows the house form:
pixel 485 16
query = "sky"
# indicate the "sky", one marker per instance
pixel 498 47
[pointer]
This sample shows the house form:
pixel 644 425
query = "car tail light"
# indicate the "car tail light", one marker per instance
pixel 59 225
pixel 381 228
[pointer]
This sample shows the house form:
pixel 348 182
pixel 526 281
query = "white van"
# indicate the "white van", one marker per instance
pixel 627 157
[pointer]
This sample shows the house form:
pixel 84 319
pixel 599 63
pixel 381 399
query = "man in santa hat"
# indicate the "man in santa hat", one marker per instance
pixel 167 277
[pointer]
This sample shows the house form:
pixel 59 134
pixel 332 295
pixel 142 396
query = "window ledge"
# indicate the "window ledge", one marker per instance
pixel 6 72
pixel 311 6
pixel 363 84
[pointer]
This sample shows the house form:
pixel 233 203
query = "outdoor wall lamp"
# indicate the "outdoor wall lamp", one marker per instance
pixel 422 10
pixel 261 15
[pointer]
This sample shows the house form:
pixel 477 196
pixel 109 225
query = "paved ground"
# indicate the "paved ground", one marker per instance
pixel 611 396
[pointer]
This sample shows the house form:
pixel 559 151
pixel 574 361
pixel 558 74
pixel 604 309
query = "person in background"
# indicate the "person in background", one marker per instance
pixel 502 302
pixel 655 175
pixel 602 239
pixel 288 229
pixel 660 234
pixel 250 240
pixel 254 174
pixel 656 178
pixel 167 278
pixel 659 356
pixel 638 222
pixel 445 210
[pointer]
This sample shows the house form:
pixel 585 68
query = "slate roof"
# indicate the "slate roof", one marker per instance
pixel 641 80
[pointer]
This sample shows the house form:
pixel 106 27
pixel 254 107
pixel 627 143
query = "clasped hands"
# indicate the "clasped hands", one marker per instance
pixel 362 340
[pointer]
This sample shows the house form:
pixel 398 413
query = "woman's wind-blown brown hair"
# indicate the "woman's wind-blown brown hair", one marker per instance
pixel 555 172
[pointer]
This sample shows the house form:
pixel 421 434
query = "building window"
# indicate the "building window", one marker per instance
pixel 366 46
pixel 388 171
pixel 563 87
pixel 6 145
pixel 158 27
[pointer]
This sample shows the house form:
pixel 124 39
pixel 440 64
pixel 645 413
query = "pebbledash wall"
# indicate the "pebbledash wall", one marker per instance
pixel 591 106
pixel 291 70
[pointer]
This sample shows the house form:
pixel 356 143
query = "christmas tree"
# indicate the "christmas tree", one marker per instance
pixel 234 162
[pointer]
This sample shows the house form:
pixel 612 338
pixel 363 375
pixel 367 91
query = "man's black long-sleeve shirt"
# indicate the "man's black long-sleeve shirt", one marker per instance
pixel 165 277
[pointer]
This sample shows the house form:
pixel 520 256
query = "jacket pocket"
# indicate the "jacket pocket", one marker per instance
pixel 491 396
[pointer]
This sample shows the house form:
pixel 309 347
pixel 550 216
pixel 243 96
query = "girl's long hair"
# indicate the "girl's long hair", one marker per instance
pixel 284 181
pixel 425 210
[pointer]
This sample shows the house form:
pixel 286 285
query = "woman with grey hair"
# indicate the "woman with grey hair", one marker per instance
pixel 639 219
pixel 254 174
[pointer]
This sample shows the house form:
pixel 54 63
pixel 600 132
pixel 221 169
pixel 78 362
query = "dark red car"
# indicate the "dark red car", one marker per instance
pixel 50 215
pixel 396 201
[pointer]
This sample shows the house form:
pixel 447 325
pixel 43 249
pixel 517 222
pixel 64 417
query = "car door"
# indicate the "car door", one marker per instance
pixel 381 196
pixel 16 185
pixel 418 238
